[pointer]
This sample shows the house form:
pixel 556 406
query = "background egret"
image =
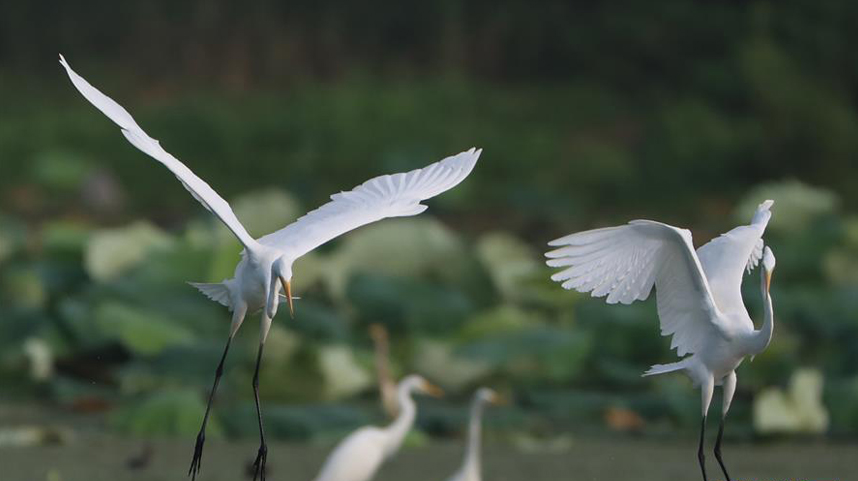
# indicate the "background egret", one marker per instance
pixel 471 469
pixel 266 263
pixel 699 294
pixel 361 453
pixel 386 384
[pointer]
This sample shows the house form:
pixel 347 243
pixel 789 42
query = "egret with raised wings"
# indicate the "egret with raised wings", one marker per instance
pixel 471 469
pixel 361 453
pixel 699 298
pixel 266 263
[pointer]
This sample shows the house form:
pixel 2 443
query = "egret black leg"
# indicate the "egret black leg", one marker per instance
pixel 262 456
pixel 718 450
pixel 700 456
pixel 196 462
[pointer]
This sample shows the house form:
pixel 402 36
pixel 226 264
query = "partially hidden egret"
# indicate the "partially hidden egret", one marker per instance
pixel 386 385
pixel 471 469
pixel 361 453
pixel 699 298
pixel 266 263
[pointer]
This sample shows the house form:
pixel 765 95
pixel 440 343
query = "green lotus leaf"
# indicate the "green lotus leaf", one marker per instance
pixel 437 360
pixel 342 375
pixel 797 203
pixel 510 262
pixel 398 247
pixel 175 412
pixel 797 410
pixel 112 252
pixel 65 236
pixel 12 236
pixel 143 332
pixel 60 170
pixel 266 210
pixel 23 287
pixel 498 320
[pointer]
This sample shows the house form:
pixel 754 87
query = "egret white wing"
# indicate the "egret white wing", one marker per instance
pixel 138 138
pixel 394 195
pixel 726 258
pixel 625 262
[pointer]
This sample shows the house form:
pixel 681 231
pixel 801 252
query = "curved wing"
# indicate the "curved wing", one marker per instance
pixel 395 195
pixel 726 258
pixel 138 138
pixel 625 262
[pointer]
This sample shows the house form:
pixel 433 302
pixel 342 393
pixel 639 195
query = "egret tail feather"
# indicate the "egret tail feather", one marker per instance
pixel 665 368
pixel 217 291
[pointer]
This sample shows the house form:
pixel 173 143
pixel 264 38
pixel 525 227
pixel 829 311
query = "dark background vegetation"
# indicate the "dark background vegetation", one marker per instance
pixel 590 114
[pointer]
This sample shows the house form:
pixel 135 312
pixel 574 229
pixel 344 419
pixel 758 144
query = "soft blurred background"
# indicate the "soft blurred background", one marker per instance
pixel 589 114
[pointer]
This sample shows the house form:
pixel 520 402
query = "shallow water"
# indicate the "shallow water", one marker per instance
pixel 103 457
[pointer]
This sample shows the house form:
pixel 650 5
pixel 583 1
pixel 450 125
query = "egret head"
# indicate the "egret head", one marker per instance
pixel 768 266
pixel 282 270
pixel 418 383
pixel 487 395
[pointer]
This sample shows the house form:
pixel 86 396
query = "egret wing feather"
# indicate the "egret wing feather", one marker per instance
pixel 394 195
pixel 625 262
pixel 218 292
pixel 726 258
pixel 198 188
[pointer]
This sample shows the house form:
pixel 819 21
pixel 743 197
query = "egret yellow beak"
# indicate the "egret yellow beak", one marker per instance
pixel 433 390
pixel 768 280
pixel 287 286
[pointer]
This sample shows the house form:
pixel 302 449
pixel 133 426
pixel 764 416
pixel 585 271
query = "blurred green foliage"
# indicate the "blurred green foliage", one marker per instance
pixel 689 113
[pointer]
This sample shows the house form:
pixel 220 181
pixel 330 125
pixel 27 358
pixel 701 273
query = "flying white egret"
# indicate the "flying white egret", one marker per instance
pixel 362 452
pixel 699 298
pixel 266 264
pixel 471 468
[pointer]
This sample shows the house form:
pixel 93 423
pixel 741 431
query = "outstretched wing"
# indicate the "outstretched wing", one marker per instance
pixel 726 258
pixel 625 262
pixel 138 138
pixel 395 195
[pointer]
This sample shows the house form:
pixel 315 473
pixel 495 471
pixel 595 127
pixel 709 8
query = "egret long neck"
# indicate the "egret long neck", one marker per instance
pixel 761 338
pixel 472 453
pixel 399 428
pixel 386 386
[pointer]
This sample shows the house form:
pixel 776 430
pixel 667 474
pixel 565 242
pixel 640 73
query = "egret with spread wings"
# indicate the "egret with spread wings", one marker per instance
pixel 699 298
pixel 266 263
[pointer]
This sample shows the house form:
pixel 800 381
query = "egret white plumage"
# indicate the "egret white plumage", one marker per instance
pixel 471 469
pixel 361 453
pixel 266 263
pixel 699 298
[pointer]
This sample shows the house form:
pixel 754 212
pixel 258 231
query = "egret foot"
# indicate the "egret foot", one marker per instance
pixel 701 458
pixel 718 451
pixel 259 464
pixel 196 463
